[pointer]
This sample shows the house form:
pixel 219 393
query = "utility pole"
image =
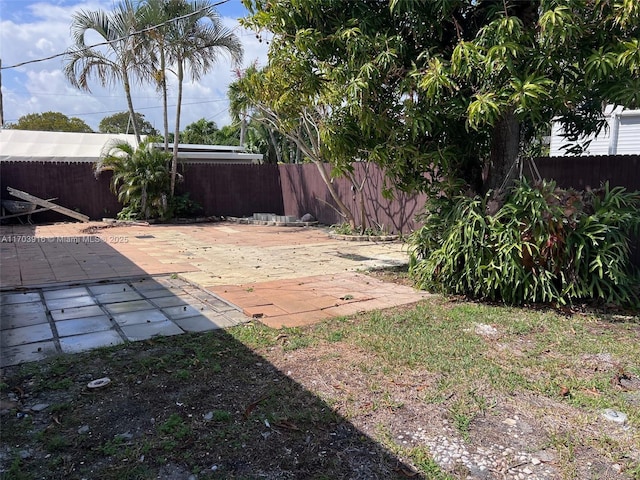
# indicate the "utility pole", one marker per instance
pixel 1 108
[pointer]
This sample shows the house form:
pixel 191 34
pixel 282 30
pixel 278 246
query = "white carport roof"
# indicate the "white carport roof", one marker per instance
pixel 30 145
pixel 36 146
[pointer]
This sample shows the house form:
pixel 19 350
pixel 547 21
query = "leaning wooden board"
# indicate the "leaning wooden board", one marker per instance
pixel 46 204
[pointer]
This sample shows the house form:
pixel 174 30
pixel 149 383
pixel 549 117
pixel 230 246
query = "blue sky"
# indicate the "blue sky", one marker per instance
pixel 32 30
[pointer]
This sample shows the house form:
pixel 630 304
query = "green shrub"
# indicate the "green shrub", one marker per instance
pixel 539 244
pixel 183 206
pixel 141 178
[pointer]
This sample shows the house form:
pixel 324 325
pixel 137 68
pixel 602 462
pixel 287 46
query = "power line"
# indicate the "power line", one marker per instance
pixel 139 32
pixel 25 93
pixel 141 108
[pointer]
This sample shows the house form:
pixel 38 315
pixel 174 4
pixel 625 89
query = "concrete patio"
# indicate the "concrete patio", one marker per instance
pixel 69 287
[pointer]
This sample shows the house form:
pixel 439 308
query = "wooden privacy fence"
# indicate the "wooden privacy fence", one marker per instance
pixel 303 191
pixel 73 184
pixel 591 172
pixel 221 189
pixel 241 190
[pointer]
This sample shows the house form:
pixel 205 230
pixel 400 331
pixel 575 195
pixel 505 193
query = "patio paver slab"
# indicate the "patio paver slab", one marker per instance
pixel 77 312
pixel 79 326
pixel 30 334
pixel 140 317
pixel 30 352
pixel 89 341
pixel 145 331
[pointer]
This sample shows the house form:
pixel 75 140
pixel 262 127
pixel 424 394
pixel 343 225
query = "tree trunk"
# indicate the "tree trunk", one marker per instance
pixel 132 113
pixel 165 110
pixel 363 213
pixel 243 128
pixel 505 146
pixel 176 135
pixel 342 208
pixel 276 147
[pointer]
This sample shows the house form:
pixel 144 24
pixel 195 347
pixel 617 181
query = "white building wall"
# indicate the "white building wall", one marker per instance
pixel 620 137
pixel 628 135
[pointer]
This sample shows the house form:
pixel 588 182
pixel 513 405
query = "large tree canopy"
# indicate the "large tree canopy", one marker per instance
pixel 116 62
pixel 200 132
pixel 450 88
pixel 121 123
pixel 51 122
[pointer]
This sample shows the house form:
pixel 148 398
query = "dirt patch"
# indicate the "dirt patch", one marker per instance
pixel 399 275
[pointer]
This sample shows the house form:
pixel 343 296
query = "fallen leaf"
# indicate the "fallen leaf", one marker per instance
pixel 286 424
pixel 592 391
pixel 564 391
pixel 406 471
pixel 252 406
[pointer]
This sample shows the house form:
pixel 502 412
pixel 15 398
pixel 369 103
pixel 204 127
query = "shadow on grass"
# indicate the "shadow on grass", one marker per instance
pixel 195 404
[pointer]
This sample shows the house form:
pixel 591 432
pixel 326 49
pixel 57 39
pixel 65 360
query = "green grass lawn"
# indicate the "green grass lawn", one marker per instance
pixel 254 402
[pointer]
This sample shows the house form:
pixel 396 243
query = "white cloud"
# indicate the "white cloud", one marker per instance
pixel 41 87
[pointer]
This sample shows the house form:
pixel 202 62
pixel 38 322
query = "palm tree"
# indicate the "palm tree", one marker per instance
pixel 195 41
pixel 116 62
pixel 155 13
pixel 140 176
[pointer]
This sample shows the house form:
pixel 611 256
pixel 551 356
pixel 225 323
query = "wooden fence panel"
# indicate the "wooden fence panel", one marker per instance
pixel 233 189
pixel 591 172
pixel 73 184
pixel 304 191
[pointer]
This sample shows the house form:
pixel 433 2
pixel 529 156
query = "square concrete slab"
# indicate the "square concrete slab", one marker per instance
pixel 140 317
pixel 236 316
pixel 126 307
pixel 163 292
pixel 80 326
pixel 183 311
pixel 30 352
pixel 173 283
pixel 78 312
pixel 89 341
pixel 109 288
pixel 210 299
pixel 149 330
pixel 70 302
pixel 64 303
pixel 22 335
pixel 116 297
pixel 27 308
pixel 171 301
pixel 24 297
pixel 22 320
pixel 201 323
pixel 65 293
pixel 147 284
